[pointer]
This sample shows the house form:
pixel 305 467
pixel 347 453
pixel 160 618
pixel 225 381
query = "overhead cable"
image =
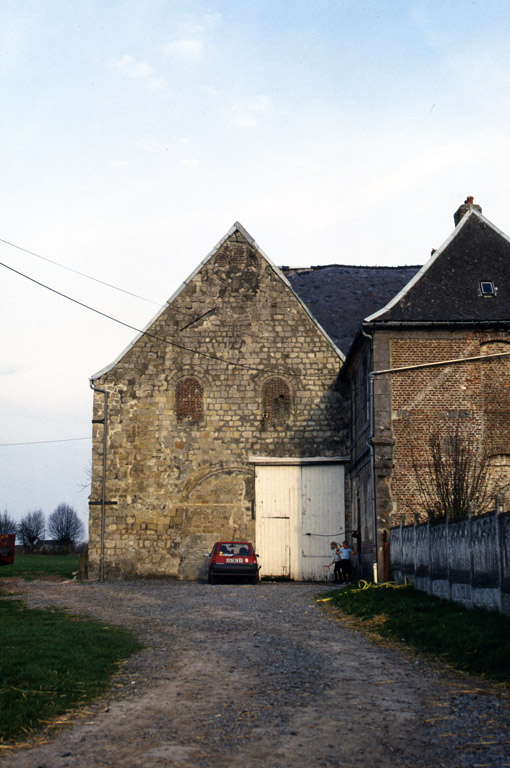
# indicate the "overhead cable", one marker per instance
pixel 96 279
pixel 82 274
pixel 137 330
pixel 41 442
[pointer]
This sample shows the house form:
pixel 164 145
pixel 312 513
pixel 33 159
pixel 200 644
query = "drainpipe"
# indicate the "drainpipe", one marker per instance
pixel 103 478
pixel 370 445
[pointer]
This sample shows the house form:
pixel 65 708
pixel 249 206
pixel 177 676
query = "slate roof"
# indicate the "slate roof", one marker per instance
pixel 447 289
pixel 340 297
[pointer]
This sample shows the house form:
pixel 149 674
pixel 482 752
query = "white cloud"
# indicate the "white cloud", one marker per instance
pixel 139 70
pixel 246 114
pixel 241 120
pixel 186 49
pixel 208 90
pixel 189 44
pixel 211 19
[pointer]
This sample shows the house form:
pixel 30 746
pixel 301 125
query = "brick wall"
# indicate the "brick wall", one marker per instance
pixel 409 406
pixel 475 394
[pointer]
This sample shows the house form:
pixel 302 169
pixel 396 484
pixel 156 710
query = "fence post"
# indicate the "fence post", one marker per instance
pixel 402 519
pixel 447 530
pixel 429 552
pixel 415 541
pixel 499 505
pixel 471 512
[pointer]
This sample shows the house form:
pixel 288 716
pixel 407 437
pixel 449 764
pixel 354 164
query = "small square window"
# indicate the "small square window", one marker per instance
pixel 487 288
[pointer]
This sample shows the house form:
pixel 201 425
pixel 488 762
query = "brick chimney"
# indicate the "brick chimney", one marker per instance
pixel 464 208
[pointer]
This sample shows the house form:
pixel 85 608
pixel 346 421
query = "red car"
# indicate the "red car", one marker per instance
pixel 7 542
pixel 233 558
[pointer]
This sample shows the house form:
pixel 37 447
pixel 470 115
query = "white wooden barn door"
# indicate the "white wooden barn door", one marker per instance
pixel 298 509
pixel 276 495
pixel 322 517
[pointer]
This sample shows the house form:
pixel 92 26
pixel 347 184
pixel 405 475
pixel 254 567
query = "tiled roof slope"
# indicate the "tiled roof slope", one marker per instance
pixel 340 297
pixel 448 289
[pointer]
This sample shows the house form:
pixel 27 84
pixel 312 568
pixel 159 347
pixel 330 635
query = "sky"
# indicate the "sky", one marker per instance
pixel 134 134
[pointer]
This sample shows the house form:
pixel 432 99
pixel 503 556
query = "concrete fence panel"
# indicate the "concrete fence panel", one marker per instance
pixel 465 560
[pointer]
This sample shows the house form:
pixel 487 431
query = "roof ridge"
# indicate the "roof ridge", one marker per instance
pixel 356 266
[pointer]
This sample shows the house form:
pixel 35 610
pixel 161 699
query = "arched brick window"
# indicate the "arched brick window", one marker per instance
pixel 189 400
pixel 276 401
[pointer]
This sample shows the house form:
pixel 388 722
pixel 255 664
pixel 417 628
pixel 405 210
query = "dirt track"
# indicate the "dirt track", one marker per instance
pixel 236 675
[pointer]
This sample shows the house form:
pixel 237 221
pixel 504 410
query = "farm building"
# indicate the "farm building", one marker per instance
pixel 264 403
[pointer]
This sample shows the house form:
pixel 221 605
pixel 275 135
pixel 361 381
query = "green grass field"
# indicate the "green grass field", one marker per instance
pixel 472 640
pixel 51 661
pixel 32 566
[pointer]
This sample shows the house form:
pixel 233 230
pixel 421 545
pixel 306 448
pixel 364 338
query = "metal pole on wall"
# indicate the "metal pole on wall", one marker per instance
pixel 104 421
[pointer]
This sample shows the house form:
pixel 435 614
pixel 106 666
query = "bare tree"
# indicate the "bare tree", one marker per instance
pixel 84 485
pixel 7 524
pixel 456 476
pixel 65 526
pixel 31 529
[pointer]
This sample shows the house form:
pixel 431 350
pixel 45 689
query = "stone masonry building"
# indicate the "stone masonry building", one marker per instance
pixel 234 368
pixel 256 404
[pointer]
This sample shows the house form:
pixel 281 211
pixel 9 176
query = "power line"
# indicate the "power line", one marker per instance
pixel 137 330
pixel 95 279
pixel 82 274
pixel 42 442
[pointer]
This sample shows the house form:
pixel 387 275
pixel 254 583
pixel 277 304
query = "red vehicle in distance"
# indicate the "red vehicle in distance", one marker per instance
pixel 7 542
pixel 233 559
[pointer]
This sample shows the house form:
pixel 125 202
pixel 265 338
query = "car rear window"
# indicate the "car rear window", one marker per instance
pixel 234 549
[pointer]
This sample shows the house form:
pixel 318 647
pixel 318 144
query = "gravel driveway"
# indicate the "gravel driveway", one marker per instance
pixel 236 675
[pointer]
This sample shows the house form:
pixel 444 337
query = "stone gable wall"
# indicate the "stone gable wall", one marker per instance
pixel 179 485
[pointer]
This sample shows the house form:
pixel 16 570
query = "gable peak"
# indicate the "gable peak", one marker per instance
pixel 238 227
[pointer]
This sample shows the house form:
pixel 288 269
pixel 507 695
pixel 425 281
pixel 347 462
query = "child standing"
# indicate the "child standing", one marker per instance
pixel 337 561
pixel 345 562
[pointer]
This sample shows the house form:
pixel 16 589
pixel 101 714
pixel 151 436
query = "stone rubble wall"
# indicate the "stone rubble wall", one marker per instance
pixel 180 485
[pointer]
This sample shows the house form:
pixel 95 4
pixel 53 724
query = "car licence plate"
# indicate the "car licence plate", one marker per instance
pixel 234 559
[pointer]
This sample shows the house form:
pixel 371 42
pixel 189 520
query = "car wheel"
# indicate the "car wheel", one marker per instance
pixel 211 578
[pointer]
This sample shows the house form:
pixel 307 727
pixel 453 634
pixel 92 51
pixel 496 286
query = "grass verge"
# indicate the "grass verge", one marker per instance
pixel 32 566
pixel 51 661
pixel 475 640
